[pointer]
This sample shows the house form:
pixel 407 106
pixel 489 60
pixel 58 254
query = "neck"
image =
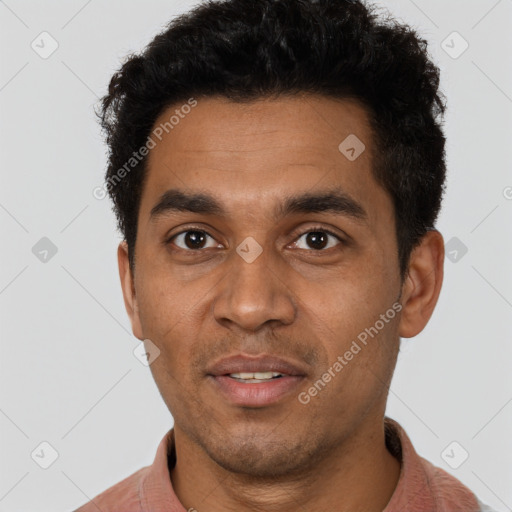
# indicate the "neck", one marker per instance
pixel 359 475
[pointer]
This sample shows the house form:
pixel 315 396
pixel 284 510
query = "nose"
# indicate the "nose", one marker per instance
pixel 254 294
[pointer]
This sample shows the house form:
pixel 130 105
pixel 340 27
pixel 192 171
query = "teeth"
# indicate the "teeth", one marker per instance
pixel 260 376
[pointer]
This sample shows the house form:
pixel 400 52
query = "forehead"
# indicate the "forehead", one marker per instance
pixel 249 153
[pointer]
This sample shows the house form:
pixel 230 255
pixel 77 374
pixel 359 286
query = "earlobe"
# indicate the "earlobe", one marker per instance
pixel 128 288
pixel 423 284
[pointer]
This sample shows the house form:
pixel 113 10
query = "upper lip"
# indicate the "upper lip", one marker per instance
pixel 251 364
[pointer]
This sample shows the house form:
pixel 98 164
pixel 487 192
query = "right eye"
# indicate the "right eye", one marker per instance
pixel 192 240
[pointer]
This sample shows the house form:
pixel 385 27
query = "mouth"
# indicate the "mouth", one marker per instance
pixel 256 377
pixel 261 381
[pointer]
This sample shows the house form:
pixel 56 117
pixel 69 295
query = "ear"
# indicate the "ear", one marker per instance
pixel 128 286
pixel 422 286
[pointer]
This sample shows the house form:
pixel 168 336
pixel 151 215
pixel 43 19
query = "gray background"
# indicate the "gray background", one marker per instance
pixel 68 375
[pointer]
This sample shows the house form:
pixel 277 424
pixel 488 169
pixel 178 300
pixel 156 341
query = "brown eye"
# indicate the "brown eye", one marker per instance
pixel 192 240
pixel 318 240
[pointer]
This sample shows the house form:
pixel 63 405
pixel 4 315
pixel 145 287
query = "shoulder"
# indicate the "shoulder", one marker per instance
pixel 122 496
pixel 422 485
pixel 451 492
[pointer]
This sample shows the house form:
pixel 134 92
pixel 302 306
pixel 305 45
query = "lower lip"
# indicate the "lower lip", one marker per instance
pixel 259 394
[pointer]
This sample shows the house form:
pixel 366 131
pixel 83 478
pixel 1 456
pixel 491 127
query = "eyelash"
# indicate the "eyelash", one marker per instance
pixel 314 229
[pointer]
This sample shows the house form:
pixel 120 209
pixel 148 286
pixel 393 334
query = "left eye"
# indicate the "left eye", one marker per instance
pixel 318 240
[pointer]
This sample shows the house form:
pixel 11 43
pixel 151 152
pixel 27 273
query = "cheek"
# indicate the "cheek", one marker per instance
pixel 362 319
pixel 172 316
pixel 163 303
pixel 351 303
pixel 361 358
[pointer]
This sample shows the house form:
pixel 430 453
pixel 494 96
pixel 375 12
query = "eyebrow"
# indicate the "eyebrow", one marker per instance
pixel 328 201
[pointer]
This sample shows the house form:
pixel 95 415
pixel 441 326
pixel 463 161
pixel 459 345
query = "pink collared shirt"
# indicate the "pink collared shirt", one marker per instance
pixel 421 487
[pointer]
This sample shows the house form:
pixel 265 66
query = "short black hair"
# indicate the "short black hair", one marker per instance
pixel 246 50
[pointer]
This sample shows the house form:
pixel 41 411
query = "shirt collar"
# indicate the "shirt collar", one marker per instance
pixel 421 486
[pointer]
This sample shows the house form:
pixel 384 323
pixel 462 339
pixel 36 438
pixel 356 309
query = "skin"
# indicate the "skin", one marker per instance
pixel 295 300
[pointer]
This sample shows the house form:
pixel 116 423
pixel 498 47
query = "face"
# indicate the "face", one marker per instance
pixel 261 269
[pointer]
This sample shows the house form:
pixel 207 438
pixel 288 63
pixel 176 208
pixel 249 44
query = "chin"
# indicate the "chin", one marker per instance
pixel 265 459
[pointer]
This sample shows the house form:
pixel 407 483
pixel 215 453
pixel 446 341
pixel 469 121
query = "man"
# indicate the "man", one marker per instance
pixel 277 168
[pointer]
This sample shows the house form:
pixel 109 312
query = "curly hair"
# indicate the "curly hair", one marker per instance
pixel 249 49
